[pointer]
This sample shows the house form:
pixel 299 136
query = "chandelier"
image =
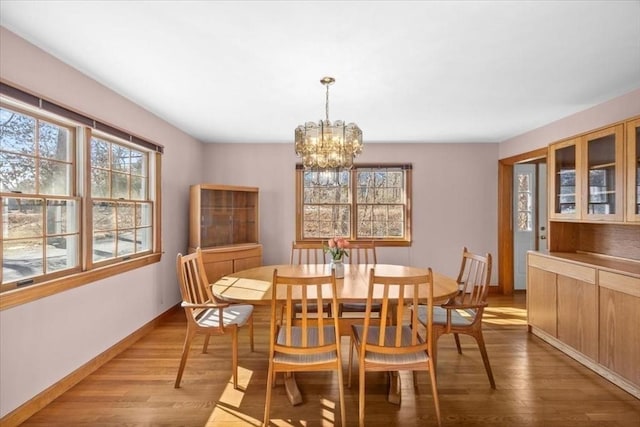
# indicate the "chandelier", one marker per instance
pixel 326 145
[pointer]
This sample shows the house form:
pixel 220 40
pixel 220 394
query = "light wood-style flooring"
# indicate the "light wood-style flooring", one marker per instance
pixel 536 385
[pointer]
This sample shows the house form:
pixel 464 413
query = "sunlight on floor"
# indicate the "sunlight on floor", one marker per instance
pixel 505 316
pixel 226 409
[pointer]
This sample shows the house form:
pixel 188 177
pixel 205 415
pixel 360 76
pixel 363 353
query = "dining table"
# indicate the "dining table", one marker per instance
pixel 253 286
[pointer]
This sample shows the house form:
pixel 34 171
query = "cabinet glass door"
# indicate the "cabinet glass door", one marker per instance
pixel 604 179
pixel 633 168
pixel 563 180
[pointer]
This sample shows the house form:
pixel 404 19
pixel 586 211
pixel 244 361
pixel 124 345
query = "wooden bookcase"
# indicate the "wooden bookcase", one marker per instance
pixel 224 223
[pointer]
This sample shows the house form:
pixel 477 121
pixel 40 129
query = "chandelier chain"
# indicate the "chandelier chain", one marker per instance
pixel 326 105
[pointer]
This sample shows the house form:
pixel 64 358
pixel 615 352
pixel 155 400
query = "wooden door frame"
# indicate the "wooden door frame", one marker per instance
pixel 505 216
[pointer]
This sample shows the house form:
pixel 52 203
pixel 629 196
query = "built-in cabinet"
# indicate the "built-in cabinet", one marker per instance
pixel 583 296
pixel 224 223
pixel 588 307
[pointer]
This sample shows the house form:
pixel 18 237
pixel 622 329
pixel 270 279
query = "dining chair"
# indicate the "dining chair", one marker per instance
pixel 462 314
pixel 396 346
pixel 207 315
pixel 310 344
pixel 359 253
pixel 308 253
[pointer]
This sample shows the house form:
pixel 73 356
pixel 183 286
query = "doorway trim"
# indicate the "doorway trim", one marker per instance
pixel 505 216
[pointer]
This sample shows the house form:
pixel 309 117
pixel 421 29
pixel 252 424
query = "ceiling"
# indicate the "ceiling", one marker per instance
pixel 406 71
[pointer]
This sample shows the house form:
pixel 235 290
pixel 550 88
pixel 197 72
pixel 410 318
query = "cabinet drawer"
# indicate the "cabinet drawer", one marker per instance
pixel 575 271
pixel 619 282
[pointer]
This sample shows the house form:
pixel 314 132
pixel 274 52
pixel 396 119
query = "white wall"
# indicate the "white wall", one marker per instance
pixel 454 196
pixel 45 340
pixel 614 110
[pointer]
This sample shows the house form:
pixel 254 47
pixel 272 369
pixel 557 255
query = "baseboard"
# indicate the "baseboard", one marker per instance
pixel 26 410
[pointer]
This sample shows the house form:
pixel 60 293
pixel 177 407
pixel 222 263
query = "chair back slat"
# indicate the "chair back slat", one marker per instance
pixel 362 253
pixel 193 278
pixel 407 292
pixel 309 296
pixel 474 277
pixel 307 253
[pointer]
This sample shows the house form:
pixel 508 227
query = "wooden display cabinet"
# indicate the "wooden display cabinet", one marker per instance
pixel 224 223
pixel 564 179
pixel 586 177
pixel 633 170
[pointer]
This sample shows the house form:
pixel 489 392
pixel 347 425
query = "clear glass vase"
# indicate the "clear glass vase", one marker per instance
pixel 338 266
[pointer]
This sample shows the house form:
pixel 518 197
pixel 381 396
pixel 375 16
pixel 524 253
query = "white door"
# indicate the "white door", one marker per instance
pixel 524 220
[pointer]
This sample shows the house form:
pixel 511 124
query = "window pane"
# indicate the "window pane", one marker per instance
pixel 126 215
pixel 62 217
pixel 144 239
pixel 104 216
pixel 17 132
pixel 21 218
pixel 17 173
pixel 99 153
pixel 138 163
pixel 144 214
pixel 100 183
pixel 55 178
pixel 119 186
pixel 62 253
pixel 54 142
pixel 120 158
pixel 21 259
pixel 138 188
pixel 126 244
pixel 104 246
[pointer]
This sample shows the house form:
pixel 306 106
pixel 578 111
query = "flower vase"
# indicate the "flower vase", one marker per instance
pixel 338 266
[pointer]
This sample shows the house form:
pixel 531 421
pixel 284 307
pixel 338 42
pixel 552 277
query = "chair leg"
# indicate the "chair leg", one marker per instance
pixel 361 396
pixel 234 356
pixel 206 343
pixel 343 412
pixel 251 332
pixel 351 344
pixel 267 403
pixel 185 354
pixel 485 357
pixel 457 338
pixel 434 390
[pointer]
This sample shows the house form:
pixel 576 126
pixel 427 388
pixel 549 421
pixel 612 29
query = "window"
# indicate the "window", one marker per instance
pixel 75 197
pixel 525 202
pixel 122 220
pixel 364 203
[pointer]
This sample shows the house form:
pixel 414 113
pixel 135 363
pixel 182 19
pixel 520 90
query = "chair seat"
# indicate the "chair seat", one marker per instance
pixel 237 314
pixel 389 338
pixel 440 316
pixel 313 339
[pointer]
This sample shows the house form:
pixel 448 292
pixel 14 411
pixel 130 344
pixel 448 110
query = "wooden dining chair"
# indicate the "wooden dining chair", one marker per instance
pixel 360 253
pixel 308 253
pixel 310 344
pixel 397 346
pixel 205 314
pixel 462 314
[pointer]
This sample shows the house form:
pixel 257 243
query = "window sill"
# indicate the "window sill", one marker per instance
pixel 25 295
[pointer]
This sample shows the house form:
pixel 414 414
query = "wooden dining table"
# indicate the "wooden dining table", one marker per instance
pixel 253 286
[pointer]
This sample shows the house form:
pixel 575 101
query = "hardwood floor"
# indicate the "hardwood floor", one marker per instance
pixel 536 385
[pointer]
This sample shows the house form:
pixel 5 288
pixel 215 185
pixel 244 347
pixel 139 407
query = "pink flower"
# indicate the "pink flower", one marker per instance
pixel 336 246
